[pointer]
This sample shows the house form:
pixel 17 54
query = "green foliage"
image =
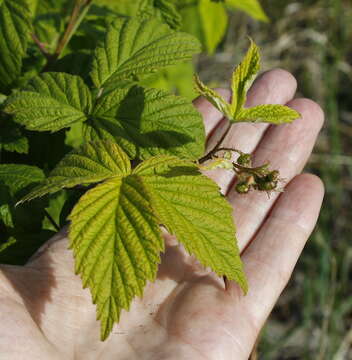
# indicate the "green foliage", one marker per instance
pixel 51 101
pixel 21 230
pixel 15 30
pixel 242 79
pixel 213 18
pixel 251 7
pixel 13 179
pixel 169 13
pixel 90 163
pixel 147 122
pixel 189 205
pixel 12 138
pixel 207 19
pixel 87 139
pixel 134 47
pixel 162 189
pixel 112 260
pixel 17 177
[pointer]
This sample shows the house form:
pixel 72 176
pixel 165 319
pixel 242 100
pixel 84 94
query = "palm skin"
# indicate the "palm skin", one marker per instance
pixel 186 313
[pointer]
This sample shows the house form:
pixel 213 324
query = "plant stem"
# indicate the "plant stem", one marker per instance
pixel 216 147
pixel 79 11
pixel 52 221
pixel 41 46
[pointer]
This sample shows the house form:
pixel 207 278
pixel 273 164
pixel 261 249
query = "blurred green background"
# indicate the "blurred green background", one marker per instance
pixel 313 40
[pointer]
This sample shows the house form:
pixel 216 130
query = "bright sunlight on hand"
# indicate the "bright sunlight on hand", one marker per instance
pixel 186 314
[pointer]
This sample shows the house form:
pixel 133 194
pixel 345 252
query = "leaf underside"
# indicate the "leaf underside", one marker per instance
pixel 116 243
pixel 114 231
pixel 191 207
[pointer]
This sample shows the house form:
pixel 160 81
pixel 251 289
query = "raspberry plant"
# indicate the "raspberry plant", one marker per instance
pixel 84 139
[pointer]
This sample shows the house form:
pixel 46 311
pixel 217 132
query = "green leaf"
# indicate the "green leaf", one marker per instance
pixel 169 13
pixel 12 139
pixel 243 77
pixel 15 30
pixel 5 206
pixel 164 10
pixel 122 7
pixel 2 98
pixel 251 7
pixel 116 243
pixel 191 20
pixel 147 122
pixel 51 101
pixel 17 177
pixel 275 114
pixel 213 97
pixel 55 206
pixel 205 20
pixel 176 78
pixel 214 23
pixel 3 246
pixel 114 231
pixel 133 47
pixel 191 207
pixel 88 164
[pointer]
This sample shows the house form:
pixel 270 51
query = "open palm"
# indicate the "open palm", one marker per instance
pixel 186 313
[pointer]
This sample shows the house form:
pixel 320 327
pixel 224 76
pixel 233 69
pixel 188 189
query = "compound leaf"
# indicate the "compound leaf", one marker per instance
pixel 251 7
pixel 134 47
pixel 15 28
pixel 51 101
pixel 147 122
pixel 242 79
pixel 275 114
pixel 191 207
pixel 116 243
pixel 91 163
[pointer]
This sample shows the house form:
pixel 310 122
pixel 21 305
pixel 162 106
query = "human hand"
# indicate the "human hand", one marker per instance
pixel 186 313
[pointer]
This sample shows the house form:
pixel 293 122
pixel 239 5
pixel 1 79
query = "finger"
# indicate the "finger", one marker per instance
pixel 273 87
pixel 287 147
pixel 270 258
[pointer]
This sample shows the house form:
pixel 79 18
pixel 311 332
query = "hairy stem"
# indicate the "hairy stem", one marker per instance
pixel 41 46
pixel 79 11
pixel 216 147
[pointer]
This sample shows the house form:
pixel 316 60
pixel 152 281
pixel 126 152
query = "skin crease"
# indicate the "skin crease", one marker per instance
pixel 186 313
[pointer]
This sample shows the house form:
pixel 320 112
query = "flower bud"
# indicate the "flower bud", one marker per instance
pixel 242 188
pixel 244 160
